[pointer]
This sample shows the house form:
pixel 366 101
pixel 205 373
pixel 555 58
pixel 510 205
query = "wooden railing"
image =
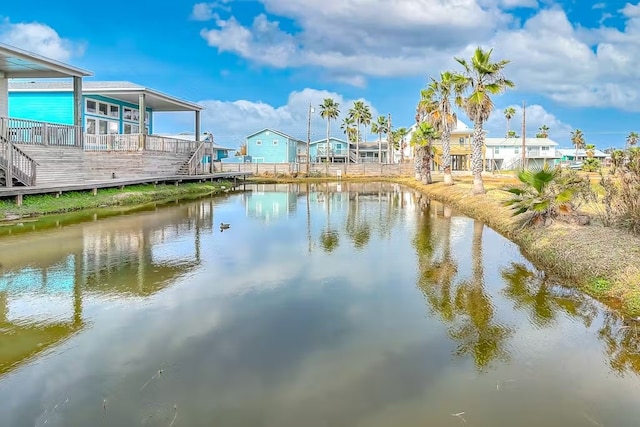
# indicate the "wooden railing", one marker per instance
pixel 16 164
pixel 170 145
pixel 22 131
pixel 112 142
pixel 195 165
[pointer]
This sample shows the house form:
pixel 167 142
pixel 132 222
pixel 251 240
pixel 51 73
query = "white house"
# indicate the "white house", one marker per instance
pixel 459 141
pixel 506 153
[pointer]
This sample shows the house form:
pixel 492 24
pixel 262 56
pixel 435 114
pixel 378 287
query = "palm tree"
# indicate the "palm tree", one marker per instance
pixel 543 132
pixel 349 129
pixel 509 113
pixel 361 115
pixel 399 139
pixel 591 150
pixel 435 107
pixel 481 78
pixel 423 138
pixel 380 127
pixel 577 139
pixel 632 139
pixel 329 110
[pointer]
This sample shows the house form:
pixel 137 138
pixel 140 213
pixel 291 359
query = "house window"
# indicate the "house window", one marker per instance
pixel 496 150
pixel 258 142
pixel 130 128
pixel 101 127
pixel 103 109
pixel 114 111
pixel 91 106
pixel 275 142
pixel 516 150
pixel 91 126
pixel 461 140
pixel 544 148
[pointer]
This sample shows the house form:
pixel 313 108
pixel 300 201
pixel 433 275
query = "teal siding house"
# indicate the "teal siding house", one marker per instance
pixel 338 150
pixel 272 146
pixel 110 107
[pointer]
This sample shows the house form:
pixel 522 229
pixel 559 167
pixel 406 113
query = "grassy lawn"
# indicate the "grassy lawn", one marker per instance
pixel 79 200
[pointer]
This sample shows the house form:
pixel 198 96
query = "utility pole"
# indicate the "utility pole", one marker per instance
pixel 309 137
pixel 524 134
pixel 389 141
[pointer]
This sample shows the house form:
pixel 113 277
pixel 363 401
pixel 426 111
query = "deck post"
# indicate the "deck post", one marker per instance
pixel 94 191
pixel 142 109
pixel 77 111
pixel 4 95
pixel 19 200
pixel 197 129
pixel 9 173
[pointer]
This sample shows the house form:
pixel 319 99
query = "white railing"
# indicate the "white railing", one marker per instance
pixel 112 142
pixel 322 151
pixel 16 164
pixel 22 131
pixel 170 145
pixel 195 165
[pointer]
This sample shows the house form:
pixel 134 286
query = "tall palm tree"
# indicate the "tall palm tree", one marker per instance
pixel 509 113
pixel 329 110
pixel 481 78
pixel 543 132
pixel 361 115
pixel 577 139
pixel 380 127
pixel 436 108
pixel 348 126
pixel 632 139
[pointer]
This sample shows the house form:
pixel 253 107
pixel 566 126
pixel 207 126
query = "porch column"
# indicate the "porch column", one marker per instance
pixel 197 130
pixel 77 111
pixel 142 109
pixel 4 96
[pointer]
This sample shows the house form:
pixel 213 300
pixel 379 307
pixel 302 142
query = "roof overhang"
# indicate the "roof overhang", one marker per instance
pixel 17 63
pixel 157 101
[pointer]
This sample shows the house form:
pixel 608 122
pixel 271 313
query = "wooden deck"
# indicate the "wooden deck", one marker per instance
pixel 94 186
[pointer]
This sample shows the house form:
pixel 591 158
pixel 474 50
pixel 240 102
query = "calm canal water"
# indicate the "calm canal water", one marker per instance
pixel 345 305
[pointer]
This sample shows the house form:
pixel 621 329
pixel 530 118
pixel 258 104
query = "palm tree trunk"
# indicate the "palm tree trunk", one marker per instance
pixel 417 163
pixel 446 155
pixel 402 150
pixel 508 126
pixel 476 157
pixel 328 143
pixel 426 164
pixel 380 148
pixel 358 143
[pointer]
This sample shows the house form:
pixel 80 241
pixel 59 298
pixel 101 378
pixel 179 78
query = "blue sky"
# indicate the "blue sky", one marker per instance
pixel 259 63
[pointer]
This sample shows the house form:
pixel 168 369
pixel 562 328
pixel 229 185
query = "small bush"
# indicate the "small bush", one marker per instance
pixel 622 192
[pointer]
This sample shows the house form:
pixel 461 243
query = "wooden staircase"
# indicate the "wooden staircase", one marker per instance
pixel 194 165
pixel 16 161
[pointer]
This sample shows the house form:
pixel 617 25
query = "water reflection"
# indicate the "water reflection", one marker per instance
pixel 323 304
pixel 42 291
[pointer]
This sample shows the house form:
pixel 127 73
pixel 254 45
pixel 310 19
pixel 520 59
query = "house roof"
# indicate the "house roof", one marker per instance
pixel 121 90
pixel 274 131
pixel 461 127
pixel 17 63
pixel 581 153
pixel 517 142
pixel 333 138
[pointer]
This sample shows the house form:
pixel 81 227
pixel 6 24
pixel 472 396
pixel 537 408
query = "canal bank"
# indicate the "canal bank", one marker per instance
pixel 601 261
pixel 38 205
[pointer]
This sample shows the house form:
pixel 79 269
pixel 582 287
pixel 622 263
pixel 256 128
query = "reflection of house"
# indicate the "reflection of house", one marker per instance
pixel 272 146
pixel 42 292
pixel 506 153
pixel 268 204
pixel 460 142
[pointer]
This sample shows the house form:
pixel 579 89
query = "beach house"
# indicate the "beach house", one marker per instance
pixel 460 143
pixel 272 146
pixel 506 153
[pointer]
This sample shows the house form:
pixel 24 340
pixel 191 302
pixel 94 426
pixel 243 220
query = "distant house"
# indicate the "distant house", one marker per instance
pixel 369 152
pixel 338 150
pixel 569 155
pixel 506 153
pixel 460 143
pixel 272 146
pixel 219 152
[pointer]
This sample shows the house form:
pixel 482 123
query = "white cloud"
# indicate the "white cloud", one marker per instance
pixel 536 116
pixel 206 11
pixel 231 121
pixel 569 63
pixel 599 6
pixel 39 38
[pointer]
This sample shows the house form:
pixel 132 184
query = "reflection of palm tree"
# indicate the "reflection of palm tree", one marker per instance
pixel 531 291
pixel 357 228
pixel 477 333
pixel 622 339
pixel 329 238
